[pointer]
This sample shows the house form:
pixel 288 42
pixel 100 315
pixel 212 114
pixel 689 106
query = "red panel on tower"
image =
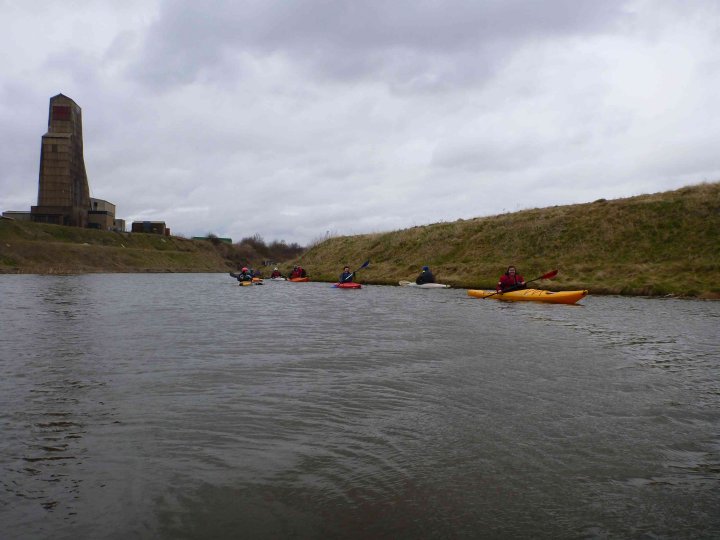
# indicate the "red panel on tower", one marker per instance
pixel 61 112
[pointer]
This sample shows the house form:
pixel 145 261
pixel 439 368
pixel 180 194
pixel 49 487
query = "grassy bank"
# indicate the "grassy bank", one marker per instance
pixel 36 248
pixel 665 243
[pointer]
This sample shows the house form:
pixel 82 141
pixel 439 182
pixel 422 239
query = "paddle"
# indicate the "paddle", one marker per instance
pixel 364 265
pixel 549 275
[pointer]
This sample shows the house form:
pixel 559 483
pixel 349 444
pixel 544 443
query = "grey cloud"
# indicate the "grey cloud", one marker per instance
pixel 401 41
pixel 293 118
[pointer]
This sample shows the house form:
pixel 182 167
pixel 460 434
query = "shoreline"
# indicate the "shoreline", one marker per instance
pixel 381 282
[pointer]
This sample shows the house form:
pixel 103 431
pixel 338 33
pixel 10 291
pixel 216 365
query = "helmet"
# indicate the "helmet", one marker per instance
pixel 244 269
pixel 275 268
pixel 426 269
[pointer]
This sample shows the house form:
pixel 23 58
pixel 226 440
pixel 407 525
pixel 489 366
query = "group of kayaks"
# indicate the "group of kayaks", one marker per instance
pixel 260 281
pixel 522 295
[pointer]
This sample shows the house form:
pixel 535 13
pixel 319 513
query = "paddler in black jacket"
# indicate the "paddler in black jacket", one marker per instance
pixel 426 276
pixel 347 275
pixel 244 275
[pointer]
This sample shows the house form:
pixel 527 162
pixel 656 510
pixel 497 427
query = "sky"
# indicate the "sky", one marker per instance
pixel 302 119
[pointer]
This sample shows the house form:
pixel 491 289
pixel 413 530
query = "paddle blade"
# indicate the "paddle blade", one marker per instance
pixel 549 275
pixel 365 265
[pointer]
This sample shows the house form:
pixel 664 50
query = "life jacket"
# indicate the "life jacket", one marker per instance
pixel 507 282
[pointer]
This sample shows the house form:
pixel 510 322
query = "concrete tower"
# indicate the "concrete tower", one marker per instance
pixel 63 193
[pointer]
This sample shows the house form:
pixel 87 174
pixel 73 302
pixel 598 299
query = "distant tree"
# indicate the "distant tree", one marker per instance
pixel 280 251
pixel 213 238
pixel 257 243
pixel 252 251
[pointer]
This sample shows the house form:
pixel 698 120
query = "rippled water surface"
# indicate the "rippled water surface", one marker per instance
pixel 183 406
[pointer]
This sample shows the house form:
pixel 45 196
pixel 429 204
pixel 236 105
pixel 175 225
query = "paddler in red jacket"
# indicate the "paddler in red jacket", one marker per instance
pixel 298 272
pixel 510 281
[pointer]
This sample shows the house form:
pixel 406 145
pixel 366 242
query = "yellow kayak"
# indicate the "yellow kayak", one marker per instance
pixel 255 281
pixel 532 295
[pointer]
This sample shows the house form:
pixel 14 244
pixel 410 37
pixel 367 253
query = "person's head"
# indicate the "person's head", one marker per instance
pixel 511 271
pixel 426 269
pixel 275 268
pixel 244 269
pixel 346 269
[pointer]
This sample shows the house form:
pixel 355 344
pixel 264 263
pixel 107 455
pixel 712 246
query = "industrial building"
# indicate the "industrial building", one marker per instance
pixel 63 192
pixel 63 188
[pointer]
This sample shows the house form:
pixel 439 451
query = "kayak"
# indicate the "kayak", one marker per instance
pixel 349 285
pixel 424 285
pixel 255 279
pixel 299 279
pixel 248 283
pixel 532 295
pixel 277 279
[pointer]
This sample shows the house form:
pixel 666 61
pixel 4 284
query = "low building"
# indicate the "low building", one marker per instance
pixel 150 227
pixel 18 215
pixel 119 225
pixel 101 215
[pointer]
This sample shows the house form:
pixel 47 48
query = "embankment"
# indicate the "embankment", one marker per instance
pixel 659 244
pixel 35 248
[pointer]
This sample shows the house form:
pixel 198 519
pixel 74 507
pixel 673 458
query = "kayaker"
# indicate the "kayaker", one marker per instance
pixel 298 272
pixel 426 276
pixel 244 275
pixel 276 273
pixel 347 275
pixel 510 281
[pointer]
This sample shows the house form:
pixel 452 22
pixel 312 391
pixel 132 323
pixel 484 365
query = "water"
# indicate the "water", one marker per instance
pixel 183 406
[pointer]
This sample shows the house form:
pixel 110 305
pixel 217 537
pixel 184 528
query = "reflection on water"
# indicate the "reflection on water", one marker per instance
pixel 183 406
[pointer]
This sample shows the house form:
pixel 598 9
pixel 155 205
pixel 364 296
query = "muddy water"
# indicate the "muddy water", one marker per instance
pixel 183 406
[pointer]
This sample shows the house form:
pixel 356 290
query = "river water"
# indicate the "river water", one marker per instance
pixel 183 406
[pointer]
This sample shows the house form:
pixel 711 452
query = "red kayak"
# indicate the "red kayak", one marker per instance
pixel 349 285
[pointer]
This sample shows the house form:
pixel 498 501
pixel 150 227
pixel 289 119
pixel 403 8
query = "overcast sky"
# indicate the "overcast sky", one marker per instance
pixel 298 118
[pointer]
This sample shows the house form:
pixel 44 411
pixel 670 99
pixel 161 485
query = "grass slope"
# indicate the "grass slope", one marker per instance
pixel 665 243
pixel 35 248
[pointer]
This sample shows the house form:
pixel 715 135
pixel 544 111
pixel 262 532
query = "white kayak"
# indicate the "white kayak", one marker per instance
pixel 424 285
pixel 276 279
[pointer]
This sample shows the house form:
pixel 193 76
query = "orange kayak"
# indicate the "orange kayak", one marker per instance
pixel 348 285
pixel 532 295
pixel 299 279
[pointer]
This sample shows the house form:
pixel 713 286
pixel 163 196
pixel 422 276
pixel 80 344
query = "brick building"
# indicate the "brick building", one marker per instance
pixel 63 193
